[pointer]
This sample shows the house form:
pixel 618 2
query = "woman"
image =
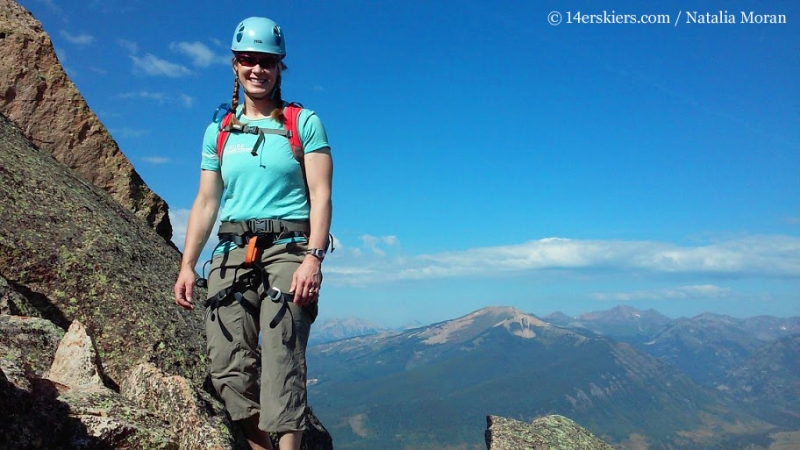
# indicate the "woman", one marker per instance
pixel 273 237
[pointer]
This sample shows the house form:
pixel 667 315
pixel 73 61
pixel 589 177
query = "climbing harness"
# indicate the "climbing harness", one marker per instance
pixel 254 236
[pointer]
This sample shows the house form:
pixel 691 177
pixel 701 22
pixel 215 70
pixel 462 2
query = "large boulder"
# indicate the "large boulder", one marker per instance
pixel 193 416
pixel 69 407
pixel 38 96
pixel 551 432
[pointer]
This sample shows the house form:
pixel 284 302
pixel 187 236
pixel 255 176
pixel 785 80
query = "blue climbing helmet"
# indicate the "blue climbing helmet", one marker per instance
pixel 258 34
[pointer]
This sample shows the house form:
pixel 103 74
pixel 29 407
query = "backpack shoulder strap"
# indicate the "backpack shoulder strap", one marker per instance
pixel 291 113
pixel 222 136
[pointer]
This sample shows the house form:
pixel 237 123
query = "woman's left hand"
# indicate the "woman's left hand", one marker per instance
pixel 306 281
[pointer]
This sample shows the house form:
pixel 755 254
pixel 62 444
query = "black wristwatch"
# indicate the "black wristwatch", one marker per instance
pixel 317 253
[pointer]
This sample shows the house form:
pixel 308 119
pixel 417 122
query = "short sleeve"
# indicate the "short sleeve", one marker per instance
pixel 210 159
pixel 312 132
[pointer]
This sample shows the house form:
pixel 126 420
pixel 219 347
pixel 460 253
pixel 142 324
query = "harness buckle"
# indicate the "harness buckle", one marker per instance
pixel 275 294
pixel 262 226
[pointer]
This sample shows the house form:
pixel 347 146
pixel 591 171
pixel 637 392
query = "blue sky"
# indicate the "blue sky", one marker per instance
pixel 484 156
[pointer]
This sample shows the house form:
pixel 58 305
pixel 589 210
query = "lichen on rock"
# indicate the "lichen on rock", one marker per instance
pixel 552 432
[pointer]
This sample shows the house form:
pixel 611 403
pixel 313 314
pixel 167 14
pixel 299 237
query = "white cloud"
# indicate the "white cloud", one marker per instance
pixel 152 65
pixel 373 242
pixel 126 133
pixel 201 55
pixel 61 54
pixel 757 256
pixel 121 7
pixel 77 39
pixel 184 100
pixel 52 6
pixel 318 88
pixel 187 100
pixel 705 291
pixel 337 244
pixel 793 220
pixel 156 160
pixel 160 97
pixel 179 218
pixel 130 46
pixel 349 270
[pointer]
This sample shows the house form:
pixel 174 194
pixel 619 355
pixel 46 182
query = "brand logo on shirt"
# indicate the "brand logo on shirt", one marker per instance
pixel 235 148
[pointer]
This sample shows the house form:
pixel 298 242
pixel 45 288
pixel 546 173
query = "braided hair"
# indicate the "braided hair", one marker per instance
pixel 235 99
pixel 277 112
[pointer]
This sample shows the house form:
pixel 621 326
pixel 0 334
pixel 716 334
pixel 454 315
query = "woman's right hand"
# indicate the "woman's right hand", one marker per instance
pixel 184 288
pixel 201 221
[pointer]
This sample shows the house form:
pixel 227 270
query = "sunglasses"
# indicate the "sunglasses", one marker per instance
pixel 250 61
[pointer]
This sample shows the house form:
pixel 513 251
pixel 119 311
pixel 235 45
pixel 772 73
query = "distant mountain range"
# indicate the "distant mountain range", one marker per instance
pixel 707 347
pixel 622 321
pixel 334 329
pixel 768 382
pixel 442 380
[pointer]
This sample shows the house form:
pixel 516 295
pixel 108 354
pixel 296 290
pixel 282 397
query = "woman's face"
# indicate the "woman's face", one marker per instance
pixel 257 73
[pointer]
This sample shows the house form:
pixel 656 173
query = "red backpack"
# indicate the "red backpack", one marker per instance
pixel 290 113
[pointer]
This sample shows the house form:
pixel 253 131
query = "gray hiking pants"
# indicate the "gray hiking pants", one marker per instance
pixel 232 335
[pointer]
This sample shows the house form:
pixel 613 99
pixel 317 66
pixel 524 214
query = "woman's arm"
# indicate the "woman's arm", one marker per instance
pixel 201 222
pixel 319 176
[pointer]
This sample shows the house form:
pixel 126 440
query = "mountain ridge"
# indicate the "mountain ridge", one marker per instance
pixel 476 363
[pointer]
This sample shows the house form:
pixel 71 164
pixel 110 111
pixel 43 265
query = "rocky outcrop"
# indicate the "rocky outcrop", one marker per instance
pixel 38 96
pixel 69 406
pixel 75 362
pixel 545 433
pixel 70 252
pixel 193 416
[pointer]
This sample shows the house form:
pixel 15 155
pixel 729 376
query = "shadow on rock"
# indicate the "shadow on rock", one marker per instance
pixel 24 412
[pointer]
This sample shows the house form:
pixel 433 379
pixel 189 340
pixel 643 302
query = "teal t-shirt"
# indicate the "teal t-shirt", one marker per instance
pixel 269 185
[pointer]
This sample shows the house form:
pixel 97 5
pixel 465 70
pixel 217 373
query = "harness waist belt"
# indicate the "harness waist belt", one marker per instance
pixel 263 226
